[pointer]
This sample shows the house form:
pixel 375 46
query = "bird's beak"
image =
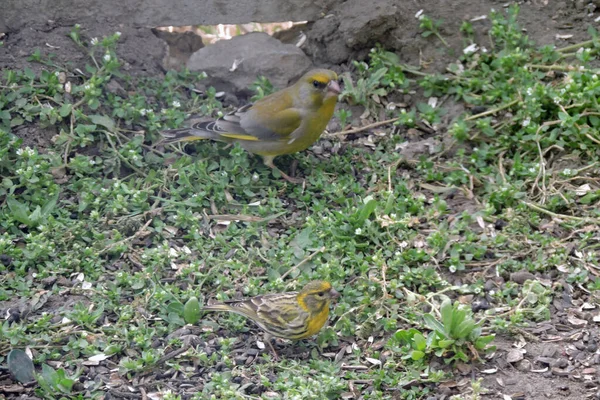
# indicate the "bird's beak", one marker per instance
pixel 334 87
pixel 334 293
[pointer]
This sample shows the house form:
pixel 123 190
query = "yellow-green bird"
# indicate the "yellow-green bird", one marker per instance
pixel 291 315
pixel 285 122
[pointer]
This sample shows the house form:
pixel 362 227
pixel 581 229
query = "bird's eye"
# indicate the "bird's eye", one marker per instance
pixel 318 84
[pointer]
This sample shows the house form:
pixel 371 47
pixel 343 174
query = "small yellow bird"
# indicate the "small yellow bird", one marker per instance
pixel 284 122
pixel 291 315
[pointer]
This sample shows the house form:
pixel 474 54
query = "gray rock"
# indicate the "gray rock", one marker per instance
pixel 353 25
pixel 256 54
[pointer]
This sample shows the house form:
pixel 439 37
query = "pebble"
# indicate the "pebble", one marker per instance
pixel 5 260
pixel 220 366
pixel 318 150
pixel 559 372
pixel 546 360
pixel 524 366
pixel 240 360
pixel 521 276
pixel 580 346
pixel 560 363
pixel 480 303
pixel 548 351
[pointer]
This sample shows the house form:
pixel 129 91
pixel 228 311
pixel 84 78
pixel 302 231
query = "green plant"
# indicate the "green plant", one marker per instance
pixel 55 384
pixel 431 27
pixel 367 88
pixel 455 337
pixel 261 87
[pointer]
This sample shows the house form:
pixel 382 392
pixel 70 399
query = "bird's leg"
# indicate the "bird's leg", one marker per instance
pixel 268 160
pixel 268 340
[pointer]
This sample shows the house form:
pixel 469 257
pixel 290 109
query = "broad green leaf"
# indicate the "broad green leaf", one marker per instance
pixel 103 120
pixel 175 307
pixel 367 209
pixel 419 340
pixel 20 366
pixel 65 109
pixel 446 311
pixel 416 355
pixel 191 311
pixel 18 210
pixel 464 329
pixel 434 324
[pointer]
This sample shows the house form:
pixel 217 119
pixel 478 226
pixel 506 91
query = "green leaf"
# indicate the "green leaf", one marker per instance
pixel 50 205
pixel 434 324
pixel 49 375
pixel 419 340
pixel 16 122
pixel 35 218
pixel 416 355
pixel 65 109
pixel 191 311
pixel 484 341
pixel 367 209
pixel 447 311
pixel 103 120
pixel 176 308
pixel 20 366
pixel 444 344
pixel 464 329
pixel 19 211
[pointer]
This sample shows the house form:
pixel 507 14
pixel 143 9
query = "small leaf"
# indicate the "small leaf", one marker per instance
pixel 416 355
pixel 21 366
pixel 191 311
pixel 420 343
pixel 434 324
pixel 366 211
pixel 103 120
pixel 176 308
pixel 444 344
pixel 446 311
pixel 19 211
pixel 65 109
pixel 483 341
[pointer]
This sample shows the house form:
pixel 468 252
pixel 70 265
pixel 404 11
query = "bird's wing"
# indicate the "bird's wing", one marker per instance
pixel 271 118
pixel 282 315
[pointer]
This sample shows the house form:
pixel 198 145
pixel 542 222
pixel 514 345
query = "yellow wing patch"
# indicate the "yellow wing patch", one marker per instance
pixel 239 136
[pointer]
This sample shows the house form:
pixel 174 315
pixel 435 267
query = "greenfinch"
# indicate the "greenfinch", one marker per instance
pixel 285 122
pixel 291 315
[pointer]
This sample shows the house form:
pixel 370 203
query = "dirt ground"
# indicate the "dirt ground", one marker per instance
pixel 557 359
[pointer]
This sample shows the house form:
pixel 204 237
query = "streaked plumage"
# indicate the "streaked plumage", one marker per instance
pixel 284 122
pixel 291 315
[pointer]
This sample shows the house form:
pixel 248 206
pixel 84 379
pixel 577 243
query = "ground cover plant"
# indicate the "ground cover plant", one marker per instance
pixel 451 226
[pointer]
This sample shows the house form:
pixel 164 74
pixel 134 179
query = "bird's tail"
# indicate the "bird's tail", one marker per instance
pixel 217 307
pixel 183 135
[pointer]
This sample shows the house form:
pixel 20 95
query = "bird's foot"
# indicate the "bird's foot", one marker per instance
pixel 288 178
pixel 269 163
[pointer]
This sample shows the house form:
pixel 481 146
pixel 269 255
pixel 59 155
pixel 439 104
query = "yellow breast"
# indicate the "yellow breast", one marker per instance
pixel 316 322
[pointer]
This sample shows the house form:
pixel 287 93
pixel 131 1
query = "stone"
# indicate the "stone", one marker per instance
pixel 181 45
pixel 521 276
pixel 255 54
pixel 351 26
